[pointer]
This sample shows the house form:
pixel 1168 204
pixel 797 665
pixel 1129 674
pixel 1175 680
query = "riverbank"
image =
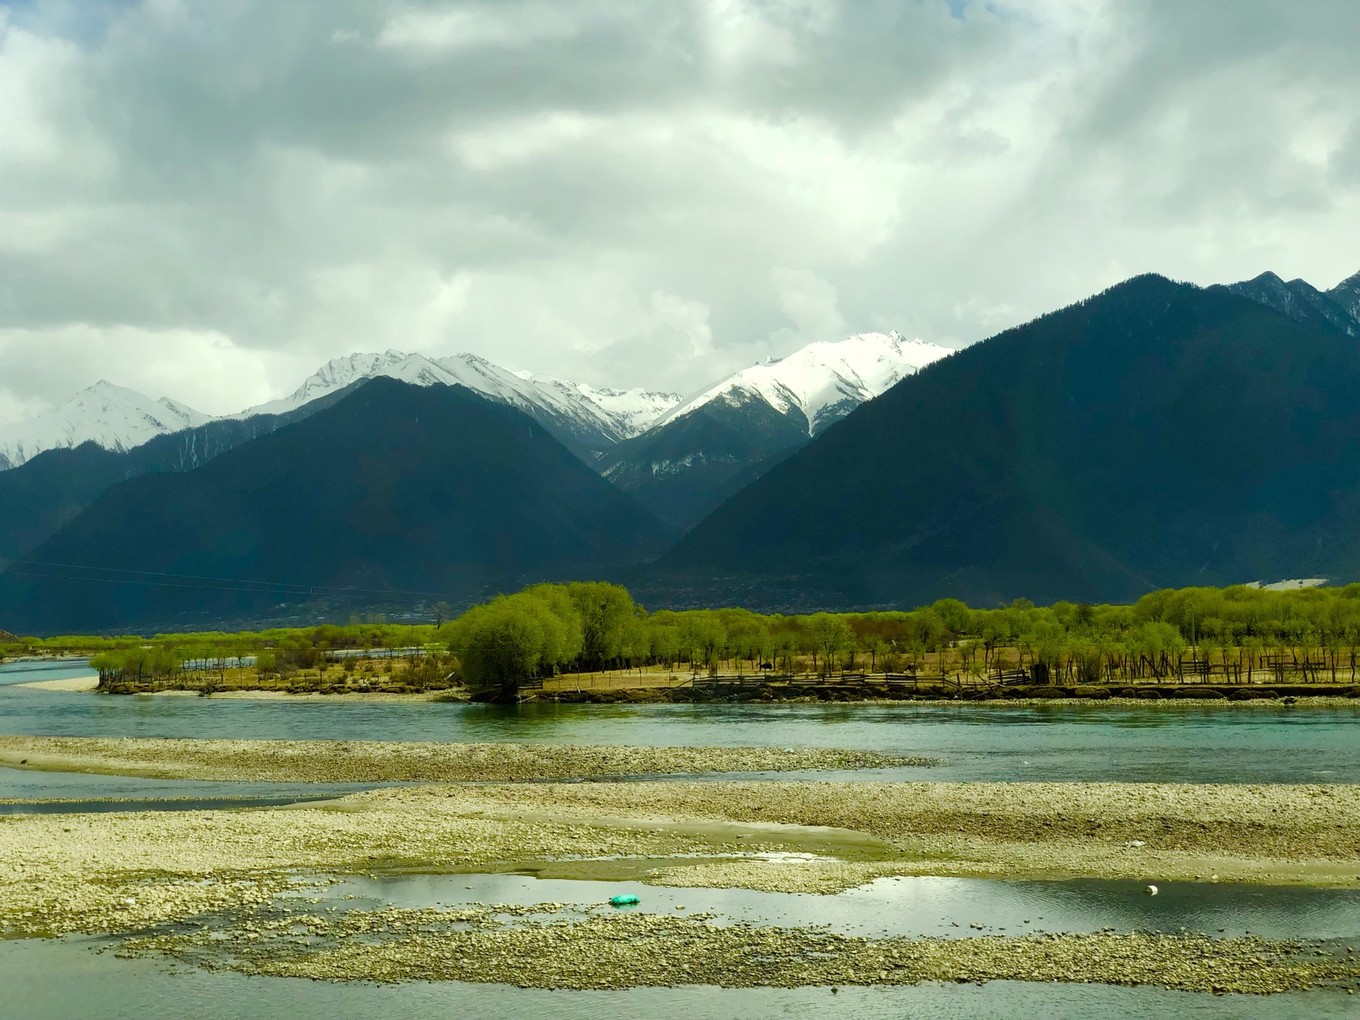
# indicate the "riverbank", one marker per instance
pixel 741 690
pixel 70 683
pixel 90 685
pixel 1147 696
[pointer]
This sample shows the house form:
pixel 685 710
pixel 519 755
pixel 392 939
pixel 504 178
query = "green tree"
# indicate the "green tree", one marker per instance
pixel 605 611
pixel 515 638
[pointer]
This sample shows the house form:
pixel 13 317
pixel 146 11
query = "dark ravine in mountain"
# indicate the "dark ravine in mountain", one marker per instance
pixel 42 494
pixel 1155 435
pixel 683 470
pixel 396 487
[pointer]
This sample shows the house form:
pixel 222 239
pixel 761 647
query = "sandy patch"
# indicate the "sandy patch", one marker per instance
pixel 70 683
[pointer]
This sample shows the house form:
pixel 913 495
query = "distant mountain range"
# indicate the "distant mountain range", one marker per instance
pixel 819 383
pixel 394 491
pixel 815 386
pixel 586 419
pixel 54 487
pixel 1157 434
pixel 1302 302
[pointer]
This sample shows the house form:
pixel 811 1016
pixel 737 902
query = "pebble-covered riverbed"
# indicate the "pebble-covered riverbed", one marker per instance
pixel 222 887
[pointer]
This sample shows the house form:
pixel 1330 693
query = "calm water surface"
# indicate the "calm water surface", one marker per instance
pixel 918 907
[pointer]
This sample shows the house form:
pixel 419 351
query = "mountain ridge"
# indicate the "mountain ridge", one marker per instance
pixel 587 419
pixel 394 488
pixel 1052 461
pixel 46 491
pixel 590 420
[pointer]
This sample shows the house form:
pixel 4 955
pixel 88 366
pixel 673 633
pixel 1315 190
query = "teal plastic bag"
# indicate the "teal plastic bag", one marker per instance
pixel 623 901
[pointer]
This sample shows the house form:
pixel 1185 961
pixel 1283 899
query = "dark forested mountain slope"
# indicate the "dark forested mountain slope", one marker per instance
pixel 394 487
pixel 1157 434
pixel 45 492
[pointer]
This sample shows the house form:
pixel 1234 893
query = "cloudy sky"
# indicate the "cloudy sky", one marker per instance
pixel 208 198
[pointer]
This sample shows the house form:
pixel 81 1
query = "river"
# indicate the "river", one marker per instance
pixel 1067 742
pixel 1061 742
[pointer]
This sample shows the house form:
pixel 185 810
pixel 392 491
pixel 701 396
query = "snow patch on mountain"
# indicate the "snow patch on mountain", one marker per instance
pixel 112 416
pixel 823 381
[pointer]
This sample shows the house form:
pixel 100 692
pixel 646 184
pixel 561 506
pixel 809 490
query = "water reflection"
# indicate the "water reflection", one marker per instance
pixel 928 906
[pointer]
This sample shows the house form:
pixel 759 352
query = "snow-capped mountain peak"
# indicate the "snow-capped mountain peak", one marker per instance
pixel 338 373
pixel 823 381
pixel 115 417
pixel 589 418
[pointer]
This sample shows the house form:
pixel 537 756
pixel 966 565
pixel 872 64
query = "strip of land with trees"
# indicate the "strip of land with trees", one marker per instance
pixel 591 641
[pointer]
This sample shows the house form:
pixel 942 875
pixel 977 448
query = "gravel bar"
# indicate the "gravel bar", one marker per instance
pixel 354 761
pixel 553 946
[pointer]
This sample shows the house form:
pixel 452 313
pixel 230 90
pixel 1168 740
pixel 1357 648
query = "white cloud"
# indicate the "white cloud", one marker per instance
pixel 207 200
pixel 204 370
pixel 810 303
pixel 422 29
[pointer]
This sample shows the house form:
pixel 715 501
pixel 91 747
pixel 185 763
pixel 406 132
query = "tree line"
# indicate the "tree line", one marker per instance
pixel 1235 631
pixel 587 626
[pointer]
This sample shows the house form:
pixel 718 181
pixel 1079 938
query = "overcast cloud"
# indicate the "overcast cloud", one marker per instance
pixel 207 199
